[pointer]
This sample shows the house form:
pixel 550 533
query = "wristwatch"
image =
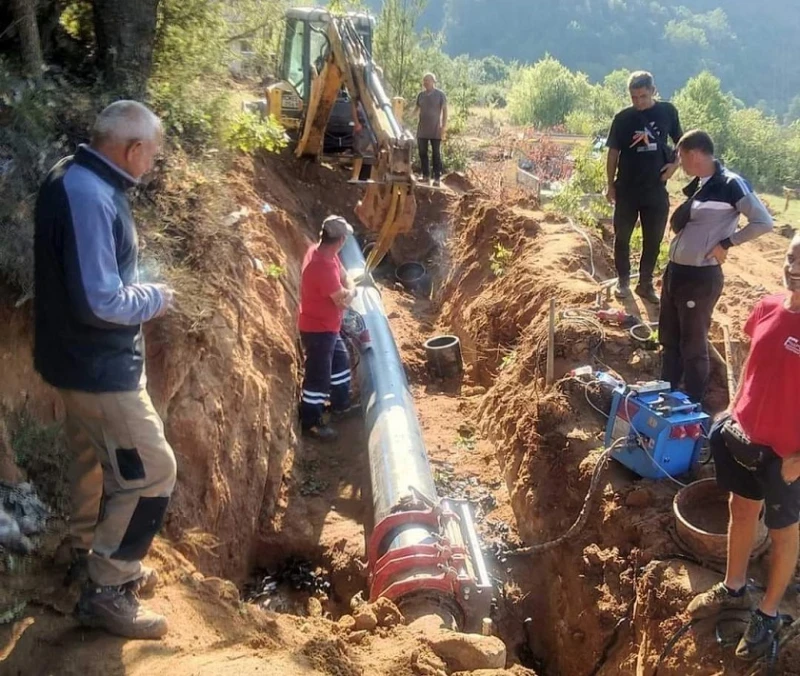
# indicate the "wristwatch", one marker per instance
pixel 726 243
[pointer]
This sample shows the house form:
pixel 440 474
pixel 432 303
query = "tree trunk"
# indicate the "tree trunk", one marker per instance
pixel 28 31
pixel 125 32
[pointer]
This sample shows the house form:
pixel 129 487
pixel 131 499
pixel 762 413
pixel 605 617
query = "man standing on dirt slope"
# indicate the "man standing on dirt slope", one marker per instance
pixel 705 228
pixel 639 164
pixel 432 129
pixel 325 293
pixel 756 448
pixel 89 308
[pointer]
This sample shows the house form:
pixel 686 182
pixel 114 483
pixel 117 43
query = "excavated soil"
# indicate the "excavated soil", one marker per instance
pixel 252 494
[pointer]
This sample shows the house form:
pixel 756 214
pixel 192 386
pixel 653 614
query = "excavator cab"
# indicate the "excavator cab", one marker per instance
pixel 305 49
pixel 327 59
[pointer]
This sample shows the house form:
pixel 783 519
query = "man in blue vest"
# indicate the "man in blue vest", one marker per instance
pixel 89 311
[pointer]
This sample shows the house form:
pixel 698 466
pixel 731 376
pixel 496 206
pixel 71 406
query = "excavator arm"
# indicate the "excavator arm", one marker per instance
pixel 388 206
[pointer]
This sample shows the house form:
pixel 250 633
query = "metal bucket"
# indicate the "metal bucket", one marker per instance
pixel 701 521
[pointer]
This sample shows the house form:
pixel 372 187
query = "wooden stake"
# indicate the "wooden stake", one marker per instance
pixel 551 347
pixel 726 336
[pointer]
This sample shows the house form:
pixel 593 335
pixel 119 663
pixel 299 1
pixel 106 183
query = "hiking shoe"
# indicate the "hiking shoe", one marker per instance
pixel 118 611
pixel 717 599
pixel 622 290
pixel 321 432
pixel 648 293
pixel 758 636
pixel 144 586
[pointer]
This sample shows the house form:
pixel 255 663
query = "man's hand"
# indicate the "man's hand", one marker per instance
pixel 168 299
pixel 720 253
pixel 444 134
pixel 611 194
pixel 357 127
pixel 790 469
pixel 668 170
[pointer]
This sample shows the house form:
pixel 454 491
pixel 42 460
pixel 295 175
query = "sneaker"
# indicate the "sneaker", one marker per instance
pixel 117 610
pixel 437 183
pixel 758 636
pixel 321 432
pixel 622 289
pixel 144 586
pixel 717 599
pixel 648 293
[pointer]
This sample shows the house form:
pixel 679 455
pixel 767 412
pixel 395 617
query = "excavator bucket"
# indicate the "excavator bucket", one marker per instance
pixel 387 205
pixel 389 210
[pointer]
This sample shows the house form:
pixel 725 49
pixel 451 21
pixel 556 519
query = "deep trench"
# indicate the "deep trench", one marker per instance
pixel 294 566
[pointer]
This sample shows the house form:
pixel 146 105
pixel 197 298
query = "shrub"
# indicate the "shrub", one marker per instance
pixel 249 133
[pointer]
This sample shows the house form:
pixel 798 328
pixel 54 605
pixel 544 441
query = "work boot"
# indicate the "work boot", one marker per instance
pixel 144 586
pixel 720 598
pixel 346 413
pixel 648 293
pixel 321 432
pixel 622 289
pixel 118 611
pixel 758 636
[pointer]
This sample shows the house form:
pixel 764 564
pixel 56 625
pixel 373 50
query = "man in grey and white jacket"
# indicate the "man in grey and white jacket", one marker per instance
pixel 705 227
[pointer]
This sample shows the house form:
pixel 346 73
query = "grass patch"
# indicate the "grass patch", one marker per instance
pixel 41 451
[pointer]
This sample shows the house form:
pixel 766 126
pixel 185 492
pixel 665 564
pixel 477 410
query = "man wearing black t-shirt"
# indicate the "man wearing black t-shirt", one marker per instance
pixel 640 162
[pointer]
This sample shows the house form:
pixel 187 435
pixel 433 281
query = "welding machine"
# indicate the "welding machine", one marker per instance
pixel 663 430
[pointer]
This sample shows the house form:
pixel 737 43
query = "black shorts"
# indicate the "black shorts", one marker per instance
pixel 756 475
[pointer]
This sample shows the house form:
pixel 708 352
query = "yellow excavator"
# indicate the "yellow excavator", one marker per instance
pixel 327 74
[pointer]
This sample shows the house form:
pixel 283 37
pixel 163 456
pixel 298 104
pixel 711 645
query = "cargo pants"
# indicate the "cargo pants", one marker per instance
pixel 121 478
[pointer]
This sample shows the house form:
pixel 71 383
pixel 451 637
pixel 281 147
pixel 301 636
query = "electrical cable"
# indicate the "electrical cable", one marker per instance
pixel 724 617
pixel 648 325
pixel 583 516
pixel 582 232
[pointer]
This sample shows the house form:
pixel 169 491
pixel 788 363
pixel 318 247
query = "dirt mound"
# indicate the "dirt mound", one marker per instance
pixel 503 273
pixel 548 441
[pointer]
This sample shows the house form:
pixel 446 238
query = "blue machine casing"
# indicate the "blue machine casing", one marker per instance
pixel 671 430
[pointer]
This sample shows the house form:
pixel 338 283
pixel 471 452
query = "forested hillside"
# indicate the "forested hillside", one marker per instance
pixel 752 46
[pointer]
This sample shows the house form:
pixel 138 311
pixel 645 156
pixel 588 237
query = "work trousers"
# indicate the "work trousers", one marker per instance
pixel 327 376
pixel 121 477
pixel 436 149
pixel 688 298
pixel 651 207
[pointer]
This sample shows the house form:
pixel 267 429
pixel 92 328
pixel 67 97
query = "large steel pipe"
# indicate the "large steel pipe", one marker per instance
pixel 423 552
pixel 397 455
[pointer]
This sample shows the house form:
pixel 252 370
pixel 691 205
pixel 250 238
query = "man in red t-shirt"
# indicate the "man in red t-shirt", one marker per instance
pixel 325 293
pixel 756 448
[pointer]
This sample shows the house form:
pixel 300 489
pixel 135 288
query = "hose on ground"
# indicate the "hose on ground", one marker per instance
pixel 583 516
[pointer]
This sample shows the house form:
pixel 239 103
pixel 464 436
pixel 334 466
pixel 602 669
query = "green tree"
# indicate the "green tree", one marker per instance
pixel 397 44
pixel 757 148
pixel 545 93
pixel 703 105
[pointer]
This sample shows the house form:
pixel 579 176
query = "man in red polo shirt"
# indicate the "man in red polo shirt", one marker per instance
pixel 756 448
pixel 325 293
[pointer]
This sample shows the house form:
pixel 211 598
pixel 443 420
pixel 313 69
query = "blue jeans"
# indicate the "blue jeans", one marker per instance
pixel 327 376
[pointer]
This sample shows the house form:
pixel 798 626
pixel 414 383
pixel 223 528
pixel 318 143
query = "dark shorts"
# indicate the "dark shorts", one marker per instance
pixel 753 471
